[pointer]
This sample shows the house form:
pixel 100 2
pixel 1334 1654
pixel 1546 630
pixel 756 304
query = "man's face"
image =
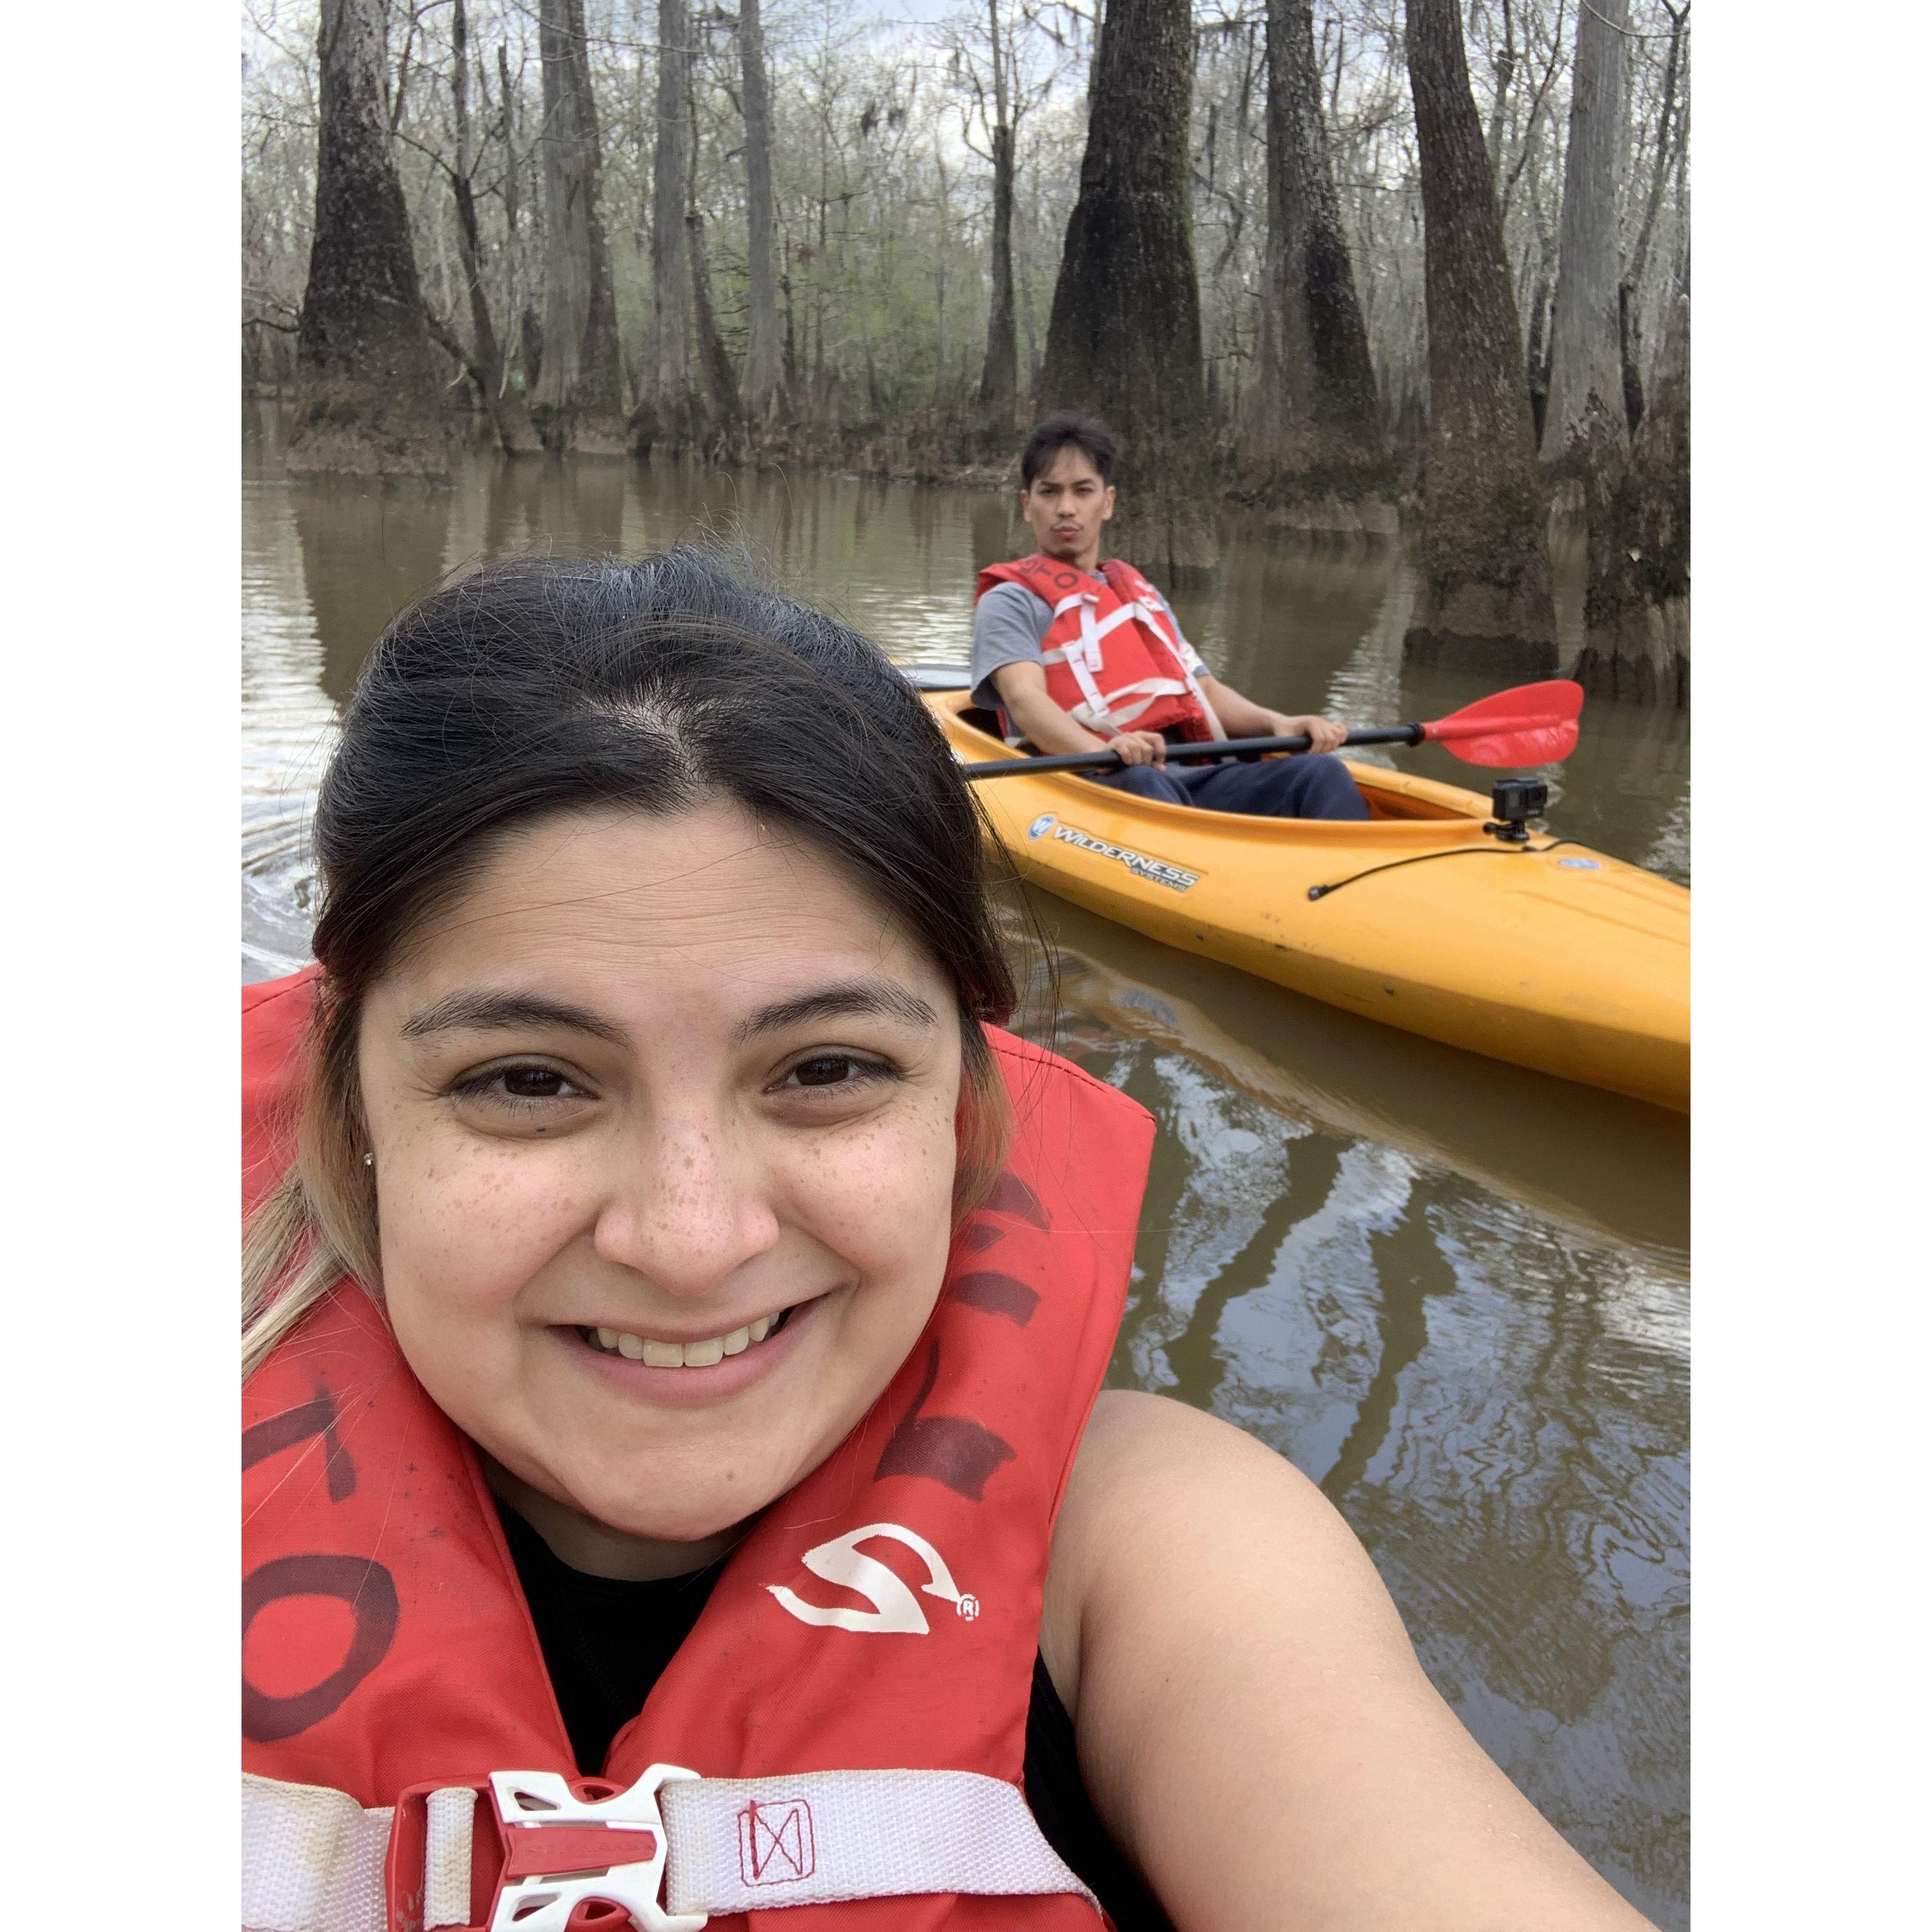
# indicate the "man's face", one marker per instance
pixel 1066 505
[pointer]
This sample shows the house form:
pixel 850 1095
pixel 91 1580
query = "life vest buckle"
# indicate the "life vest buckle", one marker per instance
pixel 545 1853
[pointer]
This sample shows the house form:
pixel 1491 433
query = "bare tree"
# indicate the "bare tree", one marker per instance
pixel 1484 547
pixel 999 374
pixel 721 379
pixel 1314 411
pixel 1124 338
pixel 1630 286
pixel 509 412
pixel 985 58
pixel 764 391
pixel 368 387
pixel 669 412
pixel 520 311
pixel 1584 424
pixel 578 405
pixel 1503 59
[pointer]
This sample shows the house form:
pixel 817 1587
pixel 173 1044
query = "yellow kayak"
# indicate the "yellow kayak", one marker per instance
pixel 1546 954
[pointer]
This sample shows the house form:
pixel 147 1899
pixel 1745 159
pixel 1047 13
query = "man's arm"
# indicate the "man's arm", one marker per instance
pixel 1241 717
pixel 1244 719
pixel 1022 689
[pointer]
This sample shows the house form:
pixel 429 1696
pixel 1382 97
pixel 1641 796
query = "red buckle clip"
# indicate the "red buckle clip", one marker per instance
pixel 547 1854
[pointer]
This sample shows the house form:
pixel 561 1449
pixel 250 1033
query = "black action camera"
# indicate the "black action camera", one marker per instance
pixel 1515 802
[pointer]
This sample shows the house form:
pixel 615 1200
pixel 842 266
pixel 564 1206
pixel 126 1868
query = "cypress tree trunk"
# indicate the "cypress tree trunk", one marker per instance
pixel 721 379
pixel 1636 605
pixel 1584 424
pixel 999 375
pixel 1315 416
pixel 1483 548
pixel 369 389
pixel 1124 340
pixel 578 406
pixel 669 413
pixel 764 391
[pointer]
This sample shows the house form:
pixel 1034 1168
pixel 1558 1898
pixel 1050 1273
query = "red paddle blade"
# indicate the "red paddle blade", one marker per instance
pixel 1532 725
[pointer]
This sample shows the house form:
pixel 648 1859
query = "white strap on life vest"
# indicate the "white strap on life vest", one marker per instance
pixel 748 1844
pixel 313 1858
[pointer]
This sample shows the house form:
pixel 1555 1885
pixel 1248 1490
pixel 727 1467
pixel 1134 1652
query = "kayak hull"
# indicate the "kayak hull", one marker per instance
pixel 1547 954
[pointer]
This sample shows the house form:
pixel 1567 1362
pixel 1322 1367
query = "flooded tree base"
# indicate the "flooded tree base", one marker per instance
pixel 350 429
pixel 1506 630
pixel 1328 519
pixel 1516 660
pixel 1644 657
pixel 570 433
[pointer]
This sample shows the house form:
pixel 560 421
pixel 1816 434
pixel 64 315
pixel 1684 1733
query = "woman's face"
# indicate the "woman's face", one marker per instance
pixel 662 1114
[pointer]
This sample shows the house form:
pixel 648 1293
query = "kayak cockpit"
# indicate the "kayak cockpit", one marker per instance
pixel 1391 795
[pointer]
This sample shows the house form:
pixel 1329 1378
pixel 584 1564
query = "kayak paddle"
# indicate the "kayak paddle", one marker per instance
pixel 1532 725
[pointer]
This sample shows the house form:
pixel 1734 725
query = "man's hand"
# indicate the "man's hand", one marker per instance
pixel 1139 748
pixel 1022 689
pixel 1325 734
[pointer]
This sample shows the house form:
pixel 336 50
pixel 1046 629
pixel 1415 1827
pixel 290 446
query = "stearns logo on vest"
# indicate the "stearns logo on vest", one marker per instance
pixel 894 1606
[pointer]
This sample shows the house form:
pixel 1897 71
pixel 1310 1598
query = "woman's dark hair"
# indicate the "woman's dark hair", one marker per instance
pixel 548 685
pixel 552 684
pixel 1058 432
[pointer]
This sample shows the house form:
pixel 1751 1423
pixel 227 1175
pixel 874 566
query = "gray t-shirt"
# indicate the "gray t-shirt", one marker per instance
pixel 1008 624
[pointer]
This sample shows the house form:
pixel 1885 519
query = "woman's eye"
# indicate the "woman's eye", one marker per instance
pixel 827 1069
pixel 534 1083
pixel 524 1083
pixel 836 1070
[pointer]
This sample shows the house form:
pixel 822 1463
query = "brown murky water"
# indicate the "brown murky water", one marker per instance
pixel 1455 1293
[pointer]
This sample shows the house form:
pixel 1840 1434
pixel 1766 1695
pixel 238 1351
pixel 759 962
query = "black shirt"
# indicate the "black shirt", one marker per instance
pixel 606 1640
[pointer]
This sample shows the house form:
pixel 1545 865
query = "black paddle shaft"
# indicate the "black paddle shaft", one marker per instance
pixel 1211 747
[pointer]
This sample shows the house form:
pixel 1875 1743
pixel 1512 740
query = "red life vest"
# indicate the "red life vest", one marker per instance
pixel 883 1615
pixel 1114 660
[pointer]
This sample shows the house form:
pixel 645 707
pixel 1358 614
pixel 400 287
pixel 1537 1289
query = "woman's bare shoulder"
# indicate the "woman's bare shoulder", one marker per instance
pixel 1254 1727
pixel 1164 1498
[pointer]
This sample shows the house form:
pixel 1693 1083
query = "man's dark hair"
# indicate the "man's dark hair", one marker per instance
pixel 1088 434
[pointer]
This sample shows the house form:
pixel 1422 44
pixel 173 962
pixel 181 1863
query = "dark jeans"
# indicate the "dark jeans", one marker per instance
pixel 1313 786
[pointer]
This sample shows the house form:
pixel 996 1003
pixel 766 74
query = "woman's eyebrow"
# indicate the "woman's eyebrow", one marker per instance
pixel 500 1012
pixel 878 998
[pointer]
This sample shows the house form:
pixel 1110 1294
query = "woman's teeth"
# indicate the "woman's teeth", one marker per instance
pixel 682 1354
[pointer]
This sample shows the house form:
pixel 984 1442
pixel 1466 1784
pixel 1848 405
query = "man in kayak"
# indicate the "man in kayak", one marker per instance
pixel 1080 656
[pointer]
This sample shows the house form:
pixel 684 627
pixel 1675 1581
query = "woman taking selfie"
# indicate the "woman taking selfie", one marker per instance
pixel 674 1482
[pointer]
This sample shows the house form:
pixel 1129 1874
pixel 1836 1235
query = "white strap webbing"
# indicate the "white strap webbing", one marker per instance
pixel 452 1825
pixel 752 1844
pixel 1083 659
pixel 312 1857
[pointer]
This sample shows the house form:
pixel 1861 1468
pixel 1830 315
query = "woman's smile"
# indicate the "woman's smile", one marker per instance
pixel 650 1368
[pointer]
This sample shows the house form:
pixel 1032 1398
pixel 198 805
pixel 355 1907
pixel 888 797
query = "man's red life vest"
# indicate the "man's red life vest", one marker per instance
pixel 1114 661
pixel 883 1615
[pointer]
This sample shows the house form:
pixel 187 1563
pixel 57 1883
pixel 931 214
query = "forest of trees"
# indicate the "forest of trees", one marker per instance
pixel 1367 263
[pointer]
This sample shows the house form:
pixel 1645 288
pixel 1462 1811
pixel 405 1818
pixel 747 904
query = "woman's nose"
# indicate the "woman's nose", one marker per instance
pixel 685 1207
